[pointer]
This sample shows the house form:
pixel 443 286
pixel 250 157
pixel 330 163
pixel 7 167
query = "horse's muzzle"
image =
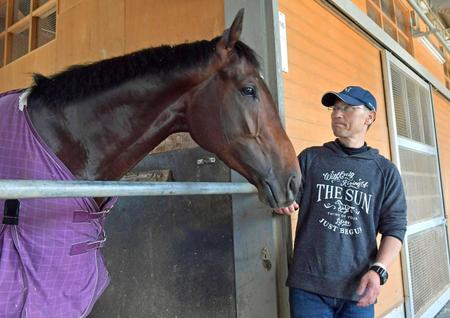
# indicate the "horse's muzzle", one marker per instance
pixel 279 194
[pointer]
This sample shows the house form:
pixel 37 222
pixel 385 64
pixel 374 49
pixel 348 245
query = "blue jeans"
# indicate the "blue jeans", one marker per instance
pixel 309 305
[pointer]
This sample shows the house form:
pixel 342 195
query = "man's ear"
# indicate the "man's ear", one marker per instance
pixel 230 36
pixel 371 118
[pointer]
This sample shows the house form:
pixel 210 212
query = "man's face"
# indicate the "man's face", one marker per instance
pixel 350 121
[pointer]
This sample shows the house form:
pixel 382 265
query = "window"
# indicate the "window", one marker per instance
pixel 24 26
pixel 393 17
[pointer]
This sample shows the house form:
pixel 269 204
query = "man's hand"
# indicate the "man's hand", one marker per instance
pixel 369 288
pixel 287 210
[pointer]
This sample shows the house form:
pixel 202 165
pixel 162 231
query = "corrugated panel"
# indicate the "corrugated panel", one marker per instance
pixel 429 267
pixel 421 181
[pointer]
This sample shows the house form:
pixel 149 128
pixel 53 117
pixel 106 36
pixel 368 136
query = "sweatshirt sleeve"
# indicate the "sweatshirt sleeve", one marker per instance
pixel 393 211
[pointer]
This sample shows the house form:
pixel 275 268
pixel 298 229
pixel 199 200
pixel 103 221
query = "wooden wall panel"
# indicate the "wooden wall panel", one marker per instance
pixel 18 74
pixel 442 115
pixel 64 5
pixel 171 22
pixel 424 57
pixel 325 56
pixel 90 31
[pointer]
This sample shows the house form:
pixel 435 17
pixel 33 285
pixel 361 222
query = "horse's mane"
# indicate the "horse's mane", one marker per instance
pixel 80 81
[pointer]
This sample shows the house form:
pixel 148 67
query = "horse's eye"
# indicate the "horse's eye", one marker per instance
pixel 248 91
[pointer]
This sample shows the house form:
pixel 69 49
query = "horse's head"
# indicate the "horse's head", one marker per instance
pixel 233 114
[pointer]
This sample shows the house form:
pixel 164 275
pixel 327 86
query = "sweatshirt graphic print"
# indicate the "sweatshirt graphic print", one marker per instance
pixel 345 197
pixel 345 200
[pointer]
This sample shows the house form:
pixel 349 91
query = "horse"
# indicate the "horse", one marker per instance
pixel 96 122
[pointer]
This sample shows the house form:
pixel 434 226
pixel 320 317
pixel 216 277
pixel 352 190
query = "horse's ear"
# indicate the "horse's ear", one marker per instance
pixel 231 36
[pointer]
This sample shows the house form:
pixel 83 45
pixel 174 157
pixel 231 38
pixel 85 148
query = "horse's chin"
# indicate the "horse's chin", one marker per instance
pixel 267 196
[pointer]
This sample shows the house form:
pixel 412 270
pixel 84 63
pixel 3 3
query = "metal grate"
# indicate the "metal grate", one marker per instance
pixel 2 51
pixel 429 267
pixel 412 108
pixel 400 115
pixel 421 181
pixel 46 30
pixel 19 44
pixel 426 116
pixel 2 16
pixel 21 9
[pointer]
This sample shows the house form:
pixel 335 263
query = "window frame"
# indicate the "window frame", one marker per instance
pixel 30 22
pixel 384 19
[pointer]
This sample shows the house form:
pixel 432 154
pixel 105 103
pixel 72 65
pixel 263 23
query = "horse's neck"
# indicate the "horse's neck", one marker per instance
pixel 104 136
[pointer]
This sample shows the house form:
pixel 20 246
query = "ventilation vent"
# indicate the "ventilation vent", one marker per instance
pixel 421 181
pixel 412 108
pixel 429 267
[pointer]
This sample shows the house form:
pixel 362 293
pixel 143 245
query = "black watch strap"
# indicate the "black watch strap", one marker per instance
pixel 382 273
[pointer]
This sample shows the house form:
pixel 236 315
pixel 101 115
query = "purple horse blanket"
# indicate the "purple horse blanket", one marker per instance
pixel 50 263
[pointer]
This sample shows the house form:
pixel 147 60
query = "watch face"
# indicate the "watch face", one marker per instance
pixel 383 276
pixel 381 272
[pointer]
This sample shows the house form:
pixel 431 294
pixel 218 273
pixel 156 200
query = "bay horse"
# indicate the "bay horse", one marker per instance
pixel 96 122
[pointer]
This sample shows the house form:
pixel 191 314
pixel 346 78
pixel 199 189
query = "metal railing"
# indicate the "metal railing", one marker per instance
pixel 25 189
pixel 440 32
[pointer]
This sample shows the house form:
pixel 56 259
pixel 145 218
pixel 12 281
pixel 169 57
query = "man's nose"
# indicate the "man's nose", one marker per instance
pixel 338 113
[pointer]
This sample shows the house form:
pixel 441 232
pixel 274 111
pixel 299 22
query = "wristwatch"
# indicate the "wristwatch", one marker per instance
pixel 381 272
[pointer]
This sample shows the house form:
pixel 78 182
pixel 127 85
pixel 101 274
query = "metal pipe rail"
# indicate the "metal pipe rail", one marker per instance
pixel 430 24
pixel 26 189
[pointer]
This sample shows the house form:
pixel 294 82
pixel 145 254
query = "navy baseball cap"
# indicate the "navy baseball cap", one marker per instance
pixel 352 95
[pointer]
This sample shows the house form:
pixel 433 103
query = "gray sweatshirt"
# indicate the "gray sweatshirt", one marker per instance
pixel 345 200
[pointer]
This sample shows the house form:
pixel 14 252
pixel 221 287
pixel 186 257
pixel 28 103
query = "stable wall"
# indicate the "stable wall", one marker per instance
pixel 325 56
pixel 91 30
pixel 420 52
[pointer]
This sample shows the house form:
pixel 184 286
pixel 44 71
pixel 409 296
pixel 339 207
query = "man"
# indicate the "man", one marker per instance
pixel 349 193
